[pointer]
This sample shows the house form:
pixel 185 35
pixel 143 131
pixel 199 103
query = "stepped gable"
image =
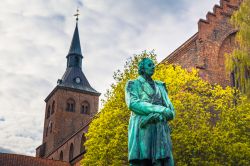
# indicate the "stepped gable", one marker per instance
pixel 205 50
pixel 225 9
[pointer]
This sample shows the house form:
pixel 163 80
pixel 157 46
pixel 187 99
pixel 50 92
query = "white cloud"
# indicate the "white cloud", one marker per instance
pixel 36 35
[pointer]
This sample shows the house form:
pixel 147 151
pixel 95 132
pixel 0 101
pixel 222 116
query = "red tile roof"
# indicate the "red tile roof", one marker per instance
pixel 21 160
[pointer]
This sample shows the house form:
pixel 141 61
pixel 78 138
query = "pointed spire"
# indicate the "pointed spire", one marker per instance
pixel 75 47
pixel 74 77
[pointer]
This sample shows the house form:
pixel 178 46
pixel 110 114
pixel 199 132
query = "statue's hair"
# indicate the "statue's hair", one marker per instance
pixel 141 65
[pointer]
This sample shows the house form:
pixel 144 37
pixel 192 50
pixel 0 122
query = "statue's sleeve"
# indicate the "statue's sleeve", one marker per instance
pixel 136 105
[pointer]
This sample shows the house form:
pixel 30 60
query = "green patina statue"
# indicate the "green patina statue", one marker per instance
pixel 149 142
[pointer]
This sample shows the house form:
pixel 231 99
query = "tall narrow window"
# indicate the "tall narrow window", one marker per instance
pixel 48 112
pixel 82 149
pixel 71 152
pixel 85 108
pixel 61 155
pixel 50 127
pixel 53 108
pixel 70 106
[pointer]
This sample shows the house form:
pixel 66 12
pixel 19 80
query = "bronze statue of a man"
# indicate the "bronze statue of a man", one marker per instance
pixel 149 142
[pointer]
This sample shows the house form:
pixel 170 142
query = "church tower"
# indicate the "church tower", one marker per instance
pixel 69 107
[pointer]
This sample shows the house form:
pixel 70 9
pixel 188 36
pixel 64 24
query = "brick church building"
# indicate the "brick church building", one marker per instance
pixel 72 104
pixel 206 49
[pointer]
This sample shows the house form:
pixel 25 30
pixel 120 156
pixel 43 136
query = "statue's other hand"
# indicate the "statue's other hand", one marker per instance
pixel 151 118
pixel 147 120
pixel 157 117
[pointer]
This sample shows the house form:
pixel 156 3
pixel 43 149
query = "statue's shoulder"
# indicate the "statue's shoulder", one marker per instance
pixel 131 83
pixel 160 83
pixel 134 81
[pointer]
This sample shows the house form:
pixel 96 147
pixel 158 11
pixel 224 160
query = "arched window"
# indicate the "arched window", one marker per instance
pixel 70 107
pixel 48 112
pixel 53 108
pixel 82 143
pixel 61 155
pixel 85 108
pixel 71 152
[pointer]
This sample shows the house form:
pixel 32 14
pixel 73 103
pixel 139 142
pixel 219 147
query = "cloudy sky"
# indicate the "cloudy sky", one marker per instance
pixel 35 36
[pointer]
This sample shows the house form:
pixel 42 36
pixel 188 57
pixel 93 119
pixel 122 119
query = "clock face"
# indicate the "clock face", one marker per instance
pixel 78 80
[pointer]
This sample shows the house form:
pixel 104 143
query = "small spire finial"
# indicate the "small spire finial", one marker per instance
pixel 77 14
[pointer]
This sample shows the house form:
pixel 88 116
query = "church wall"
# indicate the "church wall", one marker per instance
pixel 186 55
pixel 48 134
pixel 65 123
pixel 68 123
pixel 76 140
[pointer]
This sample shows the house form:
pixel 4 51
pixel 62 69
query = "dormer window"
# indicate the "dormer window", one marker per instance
pixel 70 106
pixel 76 61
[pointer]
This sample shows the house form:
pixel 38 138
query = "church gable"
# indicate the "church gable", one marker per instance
pixel 205 50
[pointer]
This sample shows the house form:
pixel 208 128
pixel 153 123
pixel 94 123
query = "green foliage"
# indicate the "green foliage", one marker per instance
pixel 211 126
pixel 239 60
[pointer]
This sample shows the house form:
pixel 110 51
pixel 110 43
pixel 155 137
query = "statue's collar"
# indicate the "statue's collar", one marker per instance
pixel 142 79
pixel 146 87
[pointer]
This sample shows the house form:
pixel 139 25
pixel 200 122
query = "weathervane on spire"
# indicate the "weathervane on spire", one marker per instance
pixel 77 14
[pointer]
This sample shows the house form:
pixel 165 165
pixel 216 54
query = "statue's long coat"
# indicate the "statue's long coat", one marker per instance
pixel 153 141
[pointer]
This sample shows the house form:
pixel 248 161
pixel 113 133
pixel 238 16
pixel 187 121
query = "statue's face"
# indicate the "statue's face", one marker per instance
pixel 149 67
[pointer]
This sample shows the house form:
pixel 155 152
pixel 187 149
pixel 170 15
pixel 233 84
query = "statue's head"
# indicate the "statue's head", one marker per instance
pixel 146 67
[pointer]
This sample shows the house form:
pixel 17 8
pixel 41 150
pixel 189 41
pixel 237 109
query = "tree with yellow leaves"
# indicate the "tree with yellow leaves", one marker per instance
pixel 211 125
